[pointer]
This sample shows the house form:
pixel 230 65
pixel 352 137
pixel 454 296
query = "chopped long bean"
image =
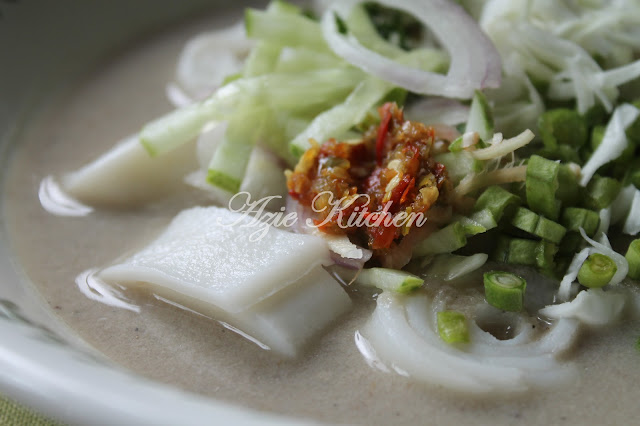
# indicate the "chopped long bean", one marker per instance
pixel 601 191
pixel 541 186
pixel 597 271
pixel 538 225
pixel 574 218
pixel 504 290
pixel 562 126
pixel 498 201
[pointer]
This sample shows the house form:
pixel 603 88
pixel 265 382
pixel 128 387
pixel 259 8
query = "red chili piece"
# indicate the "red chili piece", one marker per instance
pixel 385 112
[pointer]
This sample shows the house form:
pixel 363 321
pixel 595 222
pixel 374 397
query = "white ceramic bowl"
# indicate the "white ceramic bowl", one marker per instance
pixel 42 364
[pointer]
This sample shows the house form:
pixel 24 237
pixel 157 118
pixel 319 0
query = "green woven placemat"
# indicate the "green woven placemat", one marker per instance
pixel 12 414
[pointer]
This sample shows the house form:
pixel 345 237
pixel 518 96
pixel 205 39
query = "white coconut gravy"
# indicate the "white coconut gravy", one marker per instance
pixel 330 381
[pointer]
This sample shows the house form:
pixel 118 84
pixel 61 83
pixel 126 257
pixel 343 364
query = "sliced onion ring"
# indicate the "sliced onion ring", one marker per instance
pixel 475 62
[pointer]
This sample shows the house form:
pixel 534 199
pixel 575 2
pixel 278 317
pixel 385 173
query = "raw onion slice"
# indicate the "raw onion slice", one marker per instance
pixel 475 62
pixel 210 57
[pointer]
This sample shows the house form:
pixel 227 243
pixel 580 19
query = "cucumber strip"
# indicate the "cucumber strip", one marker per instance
pixel 180 126
pixel 310 92
pixel 280 6
pixel 452 327
pixel 354 109
pixel 262 59
pixel 300 92
pixel 445 240
pixel 450 266
pixel 342 117
pixel 285 29
pixel 480 117
pixel 229 163
pixel 389 279
pixel 264 56
pixel 459 164
pixel 360 26
pixel 541 186
pixel 293 60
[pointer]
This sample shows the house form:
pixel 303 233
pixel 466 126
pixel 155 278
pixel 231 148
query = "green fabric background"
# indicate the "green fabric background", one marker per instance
pixel 12 414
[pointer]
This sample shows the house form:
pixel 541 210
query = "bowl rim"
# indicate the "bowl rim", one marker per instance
pixel 53 372
pixel 44 372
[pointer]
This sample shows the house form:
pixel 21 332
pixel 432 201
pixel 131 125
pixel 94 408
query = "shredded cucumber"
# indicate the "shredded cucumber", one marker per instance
pixel 446 240
pixel 450 266
pixel 480 117
pixel 285 29
pixel 389 279
pixel 342 117
pixel 228 165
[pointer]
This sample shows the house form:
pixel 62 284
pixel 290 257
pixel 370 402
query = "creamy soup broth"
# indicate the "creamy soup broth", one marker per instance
pixel 330 381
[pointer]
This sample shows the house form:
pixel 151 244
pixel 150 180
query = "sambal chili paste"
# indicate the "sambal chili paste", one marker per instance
pixel 387 173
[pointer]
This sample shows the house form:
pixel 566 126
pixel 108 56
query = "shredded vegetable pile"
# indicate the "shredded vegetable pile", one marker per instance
pixel 513 124
pixel 551 66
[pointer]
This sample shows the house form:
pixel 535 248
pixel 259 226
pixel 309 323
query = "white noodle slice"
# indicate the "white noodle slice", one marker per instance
pixel 271 286
pixel 403 334
pixel 127 175
pixel 592 307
